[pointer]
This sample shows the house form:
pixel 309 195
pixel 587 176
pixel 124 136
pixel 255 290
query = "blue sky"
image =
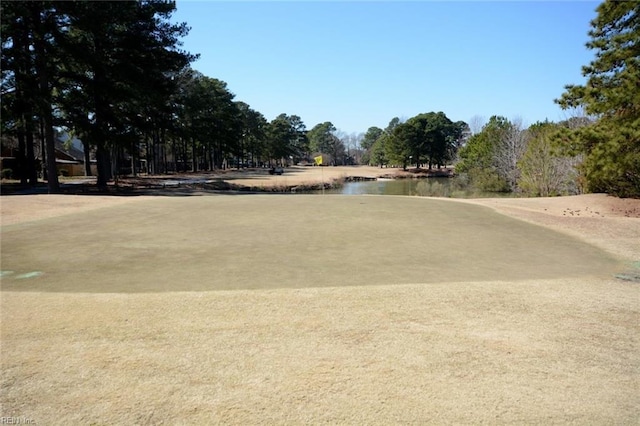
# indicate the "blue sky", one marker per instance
pixel 359 64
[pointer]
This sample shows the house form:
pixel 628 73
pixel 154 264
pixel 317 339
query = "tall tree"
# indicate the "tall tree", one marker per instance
pixel 212 121
pixel 30 37
pixel 44 22
pixel 300 141
pixel 351 143
pixel 253 134
pixel 18 115
pixel 285 137
pixel 381 145
pixel 368 140
pixel 119 58
pixel 431 137
pixel 509 149
pixel 480 158
pixel 321 138
pixel 544 169
pixel 612 94
pixel 401 144
pixel 476 123
pixel 464 133
pixel 371 135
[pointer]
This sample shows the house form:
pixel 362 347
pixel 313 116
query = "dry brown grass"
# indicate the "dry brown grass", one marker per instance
pixel 541 351
pixel 559 347
pixel 299 175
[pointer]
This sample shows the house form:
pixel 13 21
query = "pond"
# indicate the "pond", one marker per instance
pixel 427 187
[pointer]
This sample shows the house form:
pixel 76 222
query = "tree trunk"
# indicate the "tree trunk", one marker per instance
pixel 20 158
pixel 185 158
pixel 87 158
pixel 134 172
pixel 45 100
pixel 104 169
pixel 154 151
pixel 115 164
pixel 32 173
pixel 194 153
pixel 102 153
pixel 52 171
pixel 149 154
pixel 174 156
pixel 163 145
pixel 22 71
pixel 101 106
pixel 43 153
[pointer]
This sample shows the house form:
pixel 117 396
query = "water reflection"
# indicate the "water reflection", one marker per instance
pixel 428 187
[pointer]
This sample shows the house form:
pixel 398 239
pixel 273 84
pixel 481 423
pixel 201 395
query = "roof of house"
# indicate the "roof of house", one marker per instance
pixel 70 153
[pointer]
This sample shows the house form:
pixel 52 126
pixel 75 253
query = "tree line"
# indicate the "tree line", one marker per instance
pixel 596 150
pixel 114 75
pixel 429 139
pixel 104 70
pixel 504 156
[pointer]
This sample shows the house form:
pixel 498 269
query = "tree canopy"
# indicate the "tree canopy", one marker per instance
pixel 104 68
pixel 612 95
pixel 114 75
pixel 479 158
pixel 431 137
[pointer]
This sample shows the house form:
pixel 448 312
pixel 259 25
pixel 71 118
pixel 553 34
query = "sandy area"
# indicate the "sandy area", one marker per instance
pixel 547 351
pixel 608 222
pixel 303 175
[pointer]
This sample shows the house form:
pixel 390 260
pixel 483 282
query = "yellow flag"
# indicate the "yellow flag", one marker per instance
pixel 318 160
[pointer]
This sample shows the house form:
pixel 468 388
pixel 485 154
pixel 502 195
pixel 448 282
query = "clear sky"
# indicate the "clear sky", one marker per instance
pixel 359 64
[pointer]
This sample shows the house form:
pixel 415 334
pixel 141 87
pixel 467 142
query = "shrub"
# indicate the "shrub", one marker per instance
pixel 488 180
pixel 7 173
pixel 428 188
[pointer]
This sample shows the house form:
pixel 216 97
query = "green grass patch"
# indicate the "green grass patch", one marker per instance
pixel 276 241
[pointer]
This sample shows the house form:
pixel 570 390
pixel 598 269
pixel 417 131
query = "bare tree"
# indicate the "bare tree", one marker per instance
pixel 351 144
pixel 543 172
pixel 577 117
pixel 476 123
pixel 510 150
pixel 353 147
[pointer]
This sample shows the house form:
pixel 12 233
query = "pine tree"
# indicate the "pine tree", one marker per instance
pixel 612 95
pixel 29 49
pixel 119 58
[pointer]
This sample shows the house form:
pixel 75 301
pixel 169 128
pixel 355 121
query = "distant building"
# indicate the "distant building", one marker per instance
pixel 69 151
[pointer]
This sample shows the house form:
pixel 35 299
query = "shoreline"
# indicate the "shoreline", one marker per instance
pixel 295 179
